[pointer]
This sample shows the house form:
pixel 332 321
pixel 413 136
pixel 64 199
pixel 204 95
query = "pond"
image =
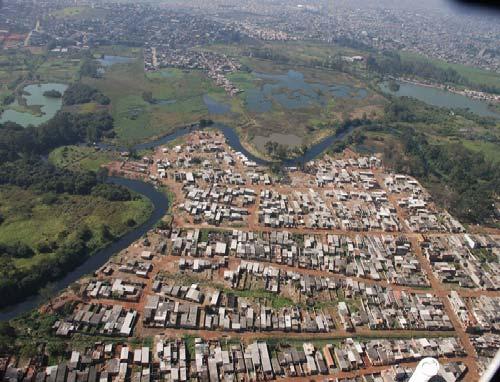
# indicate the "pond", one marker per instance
pixel 108 60
pixel 214 106
pixel 48 106
pixel 292 91
pixel 440 98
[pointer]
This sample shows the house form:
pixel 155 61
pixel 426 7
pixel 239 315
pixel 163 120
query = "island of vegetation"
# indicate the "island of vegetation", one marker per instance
pixel 52 93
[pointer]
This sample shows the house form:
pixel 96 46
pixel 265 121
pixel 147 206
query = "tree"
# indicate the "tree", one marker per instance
pixel 147 96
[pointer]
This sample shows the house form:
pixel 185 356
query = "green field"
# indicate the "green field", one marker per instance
pixel 490 150
pixel 137 120
pixel 472 74
pixel 79 12
pixel 34 219
pixel 78 158
pixel 58 69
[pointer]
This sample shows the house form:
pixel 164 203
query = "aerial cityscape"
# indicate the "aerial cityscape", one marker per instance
pixel 249 191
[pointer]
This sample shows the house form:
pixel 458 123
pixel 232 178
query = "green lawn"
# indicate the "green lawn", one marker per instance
pixel 58 69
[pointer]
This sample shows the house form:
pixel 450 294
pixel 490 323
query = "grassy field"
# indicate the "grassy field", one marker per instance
pixel 58 69
pixel 137 120
pixel 34 219
pixel 78 12
pixel 490 150
pixel 474 75
pixel 78 158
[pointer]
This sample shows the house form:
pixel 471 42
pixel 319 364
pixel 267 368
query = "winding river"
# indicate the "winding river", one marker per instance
pixel 160 205
pixel 234 141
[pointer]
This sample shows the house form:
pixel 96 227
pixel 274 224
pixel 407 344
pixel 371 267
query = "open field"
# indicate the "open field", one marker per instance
pixel 78 12
pixel 58 69
pixel 35 219
pixel 488 149
pixel 179 97
pixel 474 75
pixel 80 158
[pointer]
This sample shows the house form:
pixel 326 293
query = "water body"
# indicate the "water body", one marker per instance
pixel 160 206
pixel 291 91
pixel 112 60
pixel 49 105
pixel 440 98
pixel 214 106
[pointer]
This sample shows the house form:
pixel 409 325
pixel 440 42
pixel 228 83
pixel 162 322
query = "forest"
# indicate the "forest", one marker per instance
pixel 79 93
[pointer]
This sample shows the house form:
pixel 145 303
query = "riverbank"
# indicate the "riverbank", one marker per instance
pixel 95 260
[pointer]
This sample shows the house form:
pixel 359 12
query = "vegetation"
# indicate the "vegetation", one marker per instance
pixel 52 93
pixel 390 63
pixel 46 234
pixel 459 179
pixel 89 68
pixel 79 93
pixel 78 158
pixel 136 99
pixel 53 218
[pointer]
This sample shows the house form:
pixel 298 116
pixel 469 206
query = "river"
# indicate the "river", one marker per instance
pixel 160 207
pixel 160 204
pixel 234 141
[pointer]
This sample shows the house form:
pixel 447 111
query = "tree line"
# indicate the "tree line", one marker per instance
pixel 390 63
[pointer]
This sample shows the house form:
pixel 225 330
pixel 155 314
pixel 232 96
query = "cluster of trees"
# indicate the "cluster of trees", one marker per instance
pixel 7 333
pixel 390 63
pixel 459 179
pixel 406 109
pixel 277 150
pixel 89 68
pixel 268 54
pixel 52 93
pixel 79 93
pixel 22 165
pixel 64 129
pixel 205 122
pixel 17 283
pixel 19 250
pixel 8 99
pixel 147 96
